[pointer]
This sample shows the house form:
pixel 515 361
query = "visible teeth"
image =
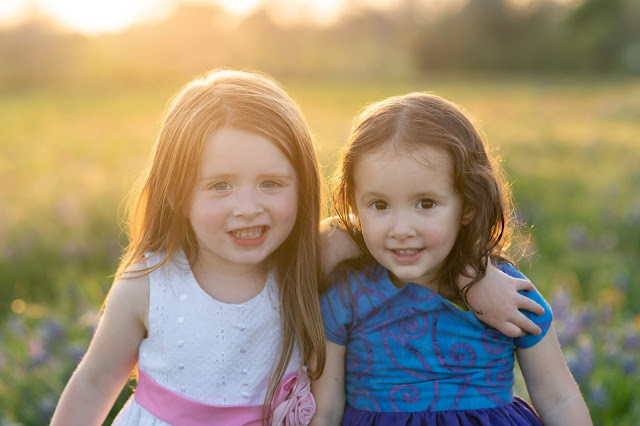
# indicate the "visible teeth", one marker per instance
pixel 248 232
pixel 406 252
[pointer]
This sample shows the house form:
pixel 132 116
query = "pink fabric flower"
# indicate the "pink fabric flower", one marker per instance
pixel 294 403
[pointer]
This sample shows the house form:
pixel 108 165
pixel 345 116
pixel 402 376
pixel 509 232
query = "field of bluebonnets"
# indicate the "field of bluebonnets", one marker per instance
pixel 571 148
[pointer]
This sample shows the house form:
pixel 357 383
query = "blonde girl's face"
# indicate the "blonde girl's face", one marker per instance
pixel 245 201
pixel 409 211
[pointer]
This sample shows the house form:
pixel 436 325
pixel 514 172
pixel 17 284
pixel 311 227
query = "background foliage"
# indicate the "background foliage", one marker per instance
pixel 551 36
pixel 554 87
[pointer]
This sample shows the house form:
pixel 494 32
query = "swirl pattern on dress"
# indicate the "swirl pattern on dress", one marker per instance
pixel 493 343
pixel 397 341
pixel 409 394
pixel 365 400
pixel 408 349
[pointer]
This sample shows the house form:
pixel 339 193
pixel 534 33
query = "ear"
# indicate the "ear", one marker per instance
pixel 467 215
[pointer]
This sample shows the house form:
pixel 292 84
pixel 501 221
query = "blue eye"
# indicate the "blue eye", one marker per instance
pixel 425 204
pixel 379 205
pixel 221 186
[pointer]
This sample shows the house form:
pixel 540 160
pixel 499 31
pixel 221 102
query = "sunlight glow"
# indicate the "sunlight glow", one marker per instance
pixel 239 7
pixel 296 11
pixel 12 10
pixel 100 15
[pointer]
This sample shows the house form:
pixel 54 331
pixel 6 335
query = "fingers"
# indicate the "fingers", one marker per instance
pixel 521 321
pixel 522 284
pixel 510 329
pixel 523 302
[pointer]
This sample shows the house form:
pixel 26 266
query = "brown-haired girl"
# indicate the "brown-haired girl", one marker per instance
pixel 418 192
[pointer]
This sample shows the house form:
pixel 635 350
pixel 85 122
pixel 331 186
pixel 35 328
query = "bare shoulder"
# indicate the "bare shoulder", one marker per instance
pixel 129 294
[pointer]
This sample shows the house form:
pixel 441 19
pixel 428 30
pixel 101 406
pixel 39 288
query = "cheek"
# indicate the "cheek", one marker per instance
pixel 372 231
pixel 204 210
pixel 446 231
pixel 291 215
pixel 287 208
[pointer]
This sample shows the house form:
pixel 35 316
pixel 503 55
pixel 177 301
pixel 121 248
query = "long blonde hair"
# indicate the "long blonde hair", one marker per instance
pixel 157 223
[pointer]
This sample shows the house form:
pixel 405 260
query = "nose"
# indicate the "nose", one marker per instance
pixel 247 204
pixel 401 225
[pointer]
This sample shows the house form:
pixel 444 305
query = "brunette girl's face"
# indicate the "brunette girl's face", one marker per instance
pixel 245 201
pixel 408 209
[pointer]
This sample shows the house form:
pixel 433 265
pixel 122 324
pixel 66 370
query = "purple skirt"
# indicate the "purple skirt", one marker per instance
pixel 516 413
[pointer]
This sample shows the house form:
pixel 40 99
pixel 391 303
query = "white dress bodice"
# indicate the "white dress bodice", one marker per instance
pixel 205 350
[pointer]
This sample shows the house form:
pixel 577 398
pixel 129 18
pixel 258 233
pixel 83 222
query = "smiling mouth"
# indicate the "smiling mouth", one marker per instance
pixel 406 252
pixel 249 233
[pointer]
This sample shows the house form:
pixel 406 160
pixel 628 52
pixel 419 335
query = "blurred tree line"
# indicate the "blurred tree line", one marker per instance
pixel 592 36
pixel 583 36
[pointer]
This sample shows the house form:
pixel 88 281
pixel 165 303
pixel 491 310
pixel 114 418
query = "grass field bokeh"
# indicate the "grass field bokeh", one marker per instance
pixel 571 149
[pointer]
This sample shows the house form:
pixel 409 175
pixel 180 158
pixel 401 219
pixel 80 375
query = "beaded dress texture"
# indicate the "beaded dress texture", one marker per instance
pixel 204 350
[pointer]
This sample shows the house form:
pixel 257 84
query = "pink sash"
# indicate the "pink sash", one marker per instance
pixel 293 405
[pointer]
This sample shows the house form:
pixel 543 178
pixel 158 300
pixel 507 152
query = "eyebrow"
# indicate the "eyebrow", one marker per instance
pixel 279 174
pixel 422 194
pixel 372 194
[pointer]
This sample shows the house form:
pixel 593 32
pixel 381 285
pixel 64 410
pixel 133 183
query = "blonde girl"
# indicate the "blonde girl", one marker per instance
pixel 216 295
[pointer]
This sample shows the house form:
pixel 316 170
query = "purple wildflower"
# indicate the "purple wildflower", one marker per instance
pixel 569 330
pixel 37 353
pixel 582 363
pixel 561 303
pixel 45 408
pixel 631 339
pixel 598 395
pixel 51 331
pixel 586 317
pixel 630 365
pixel 77 352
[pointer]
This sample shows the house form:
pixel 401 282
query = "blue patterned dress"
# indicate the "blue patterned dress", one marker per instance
pixel 414 358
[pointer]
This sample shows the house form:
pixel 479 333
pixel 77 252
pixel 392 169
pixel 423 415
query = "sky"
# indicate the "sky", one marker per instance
pixel 99 16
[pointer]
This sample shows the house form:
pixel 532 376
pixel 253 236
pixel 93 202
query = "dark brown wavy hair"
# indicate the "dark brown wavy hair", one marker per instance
pixel 254 103
pixel 409 123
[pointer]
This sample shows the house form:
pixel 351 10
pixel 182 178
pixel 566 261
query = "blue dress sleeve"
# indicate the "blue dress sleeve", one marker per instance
pixel 543 321
pixel 337 314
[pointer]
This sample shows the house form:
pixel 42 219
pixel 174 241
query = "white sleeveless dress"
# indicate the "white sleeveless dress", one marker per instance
pixel 205 350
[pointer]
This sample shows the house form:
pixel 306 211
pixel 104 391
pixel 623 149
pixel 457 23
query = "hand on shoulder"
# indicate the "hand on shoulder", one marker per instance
pixel 336 245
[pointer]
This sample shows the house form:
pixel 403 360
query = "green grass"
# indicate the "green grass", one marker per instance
pixel 68 158
pixel 570 148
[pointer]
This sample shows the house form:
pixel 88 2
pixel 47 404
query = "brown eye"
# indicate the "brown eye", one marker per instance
pixel 379 205
pixel 425 204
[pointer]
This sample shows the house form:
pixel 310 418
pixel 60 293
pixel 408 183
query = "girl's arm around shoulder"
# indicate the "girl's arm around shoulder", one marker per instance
pixel 112 354
pixel 336 245
pixel 328 389
pixel 495 300
pixel 553 391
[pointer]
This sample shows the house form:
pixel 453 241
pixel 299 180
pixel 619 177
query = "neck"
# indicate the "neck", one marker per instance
pixel 241 274
pixel 232 283
pixel 427 281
